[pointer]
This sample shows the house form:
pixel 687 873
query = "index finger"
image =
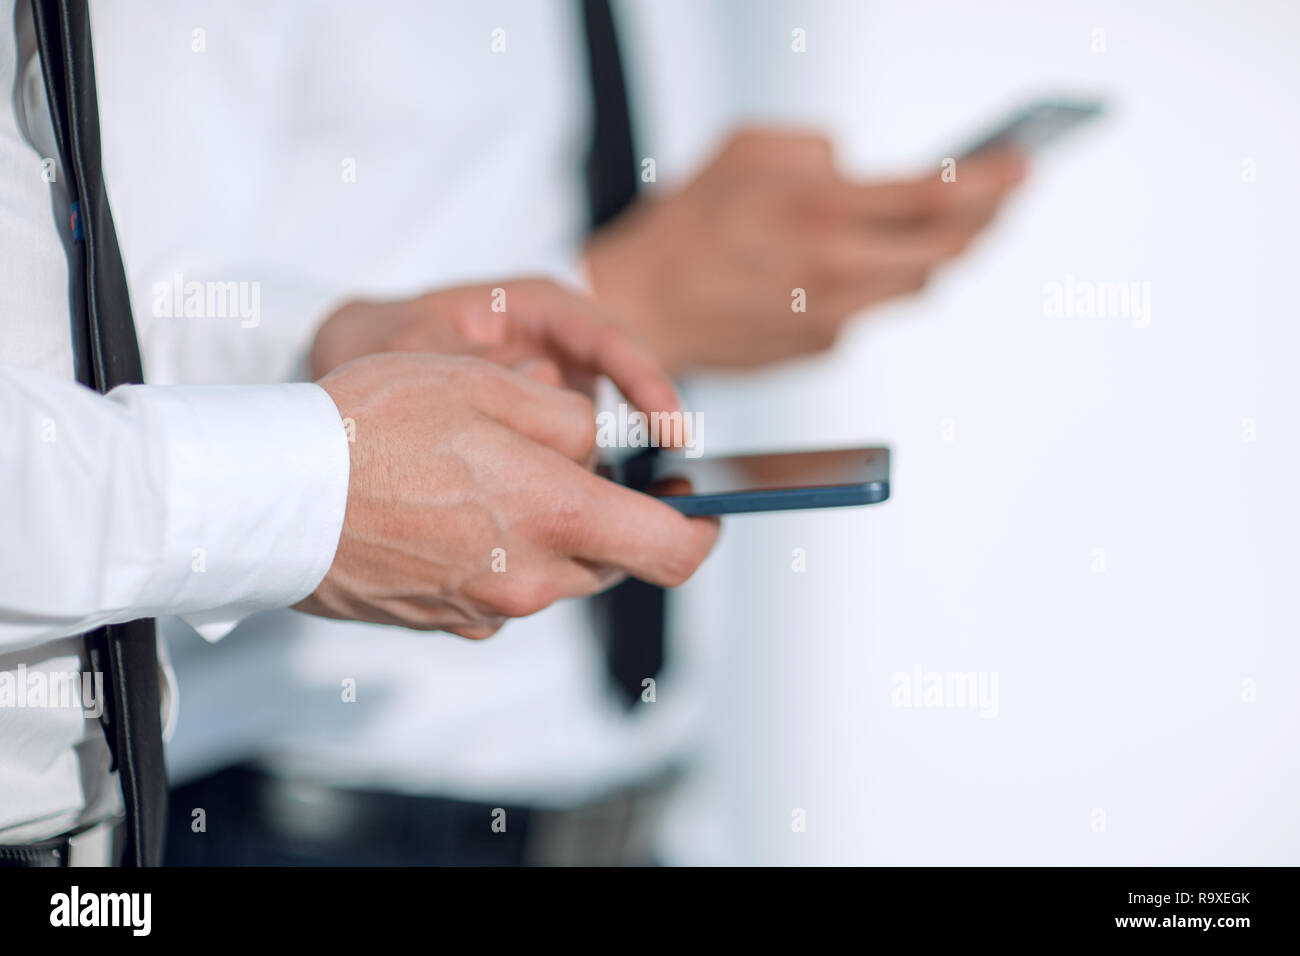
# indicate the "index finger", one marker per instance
pixel 980 179
pixel 579 331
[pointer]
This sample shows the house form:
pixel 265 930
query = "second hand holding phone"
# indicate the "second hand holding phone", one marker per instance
pixel 1033 126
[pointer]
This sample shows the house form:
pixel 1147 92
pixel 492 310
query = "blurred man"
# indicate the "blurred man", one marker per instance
pixel 369 170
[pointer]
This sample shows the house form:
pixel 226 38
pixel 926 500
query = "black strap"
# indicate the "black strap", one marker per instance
pixel 632 612
pixel 611 161
pixel 107 355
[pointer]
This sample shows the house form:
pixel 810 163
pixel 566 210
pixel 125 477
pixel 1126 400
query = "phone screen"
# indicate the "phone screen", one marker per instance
pixel 782 481
pixel 784 470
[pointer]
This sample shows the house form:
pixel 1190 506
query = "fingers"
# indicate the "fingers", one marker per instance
pixel 480 631
pixel 527 593
pixel 577 330
pixel 474 316
pixel 542 318
pixel 533 406
pixel 540 370
pixel 575 577
pixel 981 181
pixel 639 535
pixel 844 303
pixel 896 233
pixel 854 258
pixel 784 150
pixel 889 246
pixel 1003 168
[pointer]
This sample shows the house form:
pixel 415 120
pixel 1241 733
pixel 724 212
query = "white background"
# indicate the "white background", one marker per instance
pixel 1123 735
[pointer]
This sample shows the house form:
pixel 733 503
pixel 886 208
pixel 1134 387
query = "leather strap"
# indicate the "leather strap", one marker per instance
pixel 106 355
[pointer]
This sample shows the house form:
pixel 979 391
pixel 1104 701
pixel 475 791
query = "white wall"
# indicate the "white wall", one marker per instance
pixel 1121 734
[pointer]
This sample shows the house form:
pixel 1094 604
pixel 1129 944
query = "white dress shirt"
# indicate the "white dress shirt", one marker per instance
pixel 468 166
pixel 207 502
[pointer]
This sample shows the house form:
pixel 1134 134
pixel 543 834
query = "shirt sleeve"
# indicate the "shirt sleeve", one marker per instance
pixel 205 502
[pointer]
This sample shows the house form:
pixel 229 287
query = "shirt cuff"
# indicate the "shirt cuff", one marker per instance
pixel 256 490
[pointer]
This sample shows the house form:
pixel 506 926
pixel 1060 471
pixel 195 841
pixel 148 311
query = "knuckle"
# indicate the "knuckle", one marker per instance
pixel 524 598
pixel 513 604
pixel 566 530
pixel 579 423
pixel 579 406
pixel 462 312
pixel 479 632
pixel 585 438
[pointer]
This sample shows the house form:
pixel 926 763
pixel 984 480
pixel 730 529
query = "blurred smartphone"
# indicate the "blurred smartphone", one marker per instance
pixel 1035 125
pixel 782 481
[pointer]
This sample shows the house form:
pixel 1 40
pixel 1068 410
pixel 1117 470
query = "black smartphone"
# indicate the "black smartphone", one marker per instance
pixel 1036 124
pixel 781 481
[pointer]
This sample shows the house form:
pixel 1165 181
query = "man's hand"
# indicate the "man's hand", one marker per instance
pixel 468 503
pixel 536 326
pixel 707 276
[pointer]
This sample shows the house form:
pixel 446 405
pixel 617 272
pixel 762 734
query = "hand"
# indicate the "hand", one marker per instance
pixel 545 331
pixel 707 275
pixel 467 504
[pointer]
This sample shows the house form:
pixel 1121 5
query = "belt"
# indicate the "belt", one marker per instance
pixel 251 818
pixel 242 816
pixel 99 844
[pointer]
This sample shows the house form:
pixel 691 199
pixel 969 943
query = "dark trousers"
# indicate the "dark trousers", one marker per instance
pixel 242 817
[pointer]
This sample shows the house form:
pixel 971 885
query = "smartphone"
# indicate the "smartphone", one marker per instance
pixel 781 481
pixel 1037 124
